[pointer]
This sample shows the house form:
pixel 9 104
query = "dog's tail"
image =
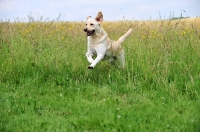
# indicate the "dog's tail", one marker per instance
pixel 128 33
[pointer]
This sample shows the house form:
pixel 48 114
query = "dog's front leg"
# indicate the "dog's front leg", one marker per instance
pixel 89 57
pixel 98 58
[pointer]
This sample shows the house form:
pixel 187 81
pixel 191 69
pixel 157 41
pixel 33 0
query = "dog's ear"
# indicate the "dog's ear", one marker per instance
pixel 99 17
pixel 88 18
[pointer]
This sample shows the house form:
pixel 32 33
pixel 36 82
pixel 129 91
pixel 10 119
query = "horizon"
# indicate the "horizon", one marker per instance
pixel 113 10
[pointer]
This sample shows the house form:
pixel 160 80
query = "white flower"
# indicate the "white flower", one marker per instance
pixel 118 116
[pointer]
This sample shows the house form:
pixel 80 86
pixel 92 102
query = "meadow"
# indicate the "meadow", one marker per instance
pixel 45 84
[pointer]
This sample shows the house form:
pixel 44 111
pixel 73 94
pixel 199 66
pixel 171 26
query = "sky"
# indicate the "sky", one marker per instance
pixel 113 10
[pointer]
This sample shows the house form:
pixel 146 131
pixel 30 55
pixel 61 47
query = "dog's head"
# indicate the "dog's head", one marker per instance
pixel 93 25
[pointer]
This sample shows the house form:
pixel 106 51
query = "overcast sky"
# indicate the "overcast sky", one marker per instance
pixel 77 10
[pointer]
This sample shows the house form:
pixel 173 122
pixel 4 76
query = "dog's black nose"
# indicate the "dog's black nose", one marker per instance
pixel 85 29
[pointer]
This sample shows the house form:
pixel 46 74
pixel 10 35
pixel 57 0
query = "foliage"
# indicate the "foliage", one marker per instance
pixel 45 84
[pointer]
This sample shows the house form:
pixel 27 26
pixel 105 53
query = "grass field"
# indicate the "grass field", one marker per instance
pixel 45 84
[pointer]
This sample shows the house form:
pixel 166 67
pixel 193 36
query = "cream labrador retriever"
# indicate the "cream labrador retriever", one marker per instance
pixel 99 43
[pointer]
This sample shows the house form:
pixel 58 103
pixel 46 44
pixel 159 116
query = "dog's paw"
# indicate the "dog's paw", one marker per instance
pixel 90 67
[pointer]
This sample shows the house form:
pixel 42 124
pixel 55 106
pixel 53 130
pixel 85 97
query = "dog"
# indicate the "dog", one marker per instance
pixel 99 43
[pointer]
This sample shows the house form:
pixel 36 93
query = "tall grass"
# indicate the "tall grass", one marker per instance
pixel 45 84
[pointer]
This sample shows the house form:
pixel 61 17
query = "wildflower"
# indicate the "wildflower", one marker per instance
pixel 143 37
pixel 187 29
pixel 118 116
pixel 183 33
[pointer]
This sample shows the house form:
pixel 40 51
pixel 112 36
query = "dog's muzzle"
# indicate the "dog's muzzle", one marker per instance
pixel 89 32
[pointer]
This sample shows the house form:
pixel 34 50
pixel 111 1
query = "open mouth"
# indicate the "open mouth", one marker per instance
pixel 90 32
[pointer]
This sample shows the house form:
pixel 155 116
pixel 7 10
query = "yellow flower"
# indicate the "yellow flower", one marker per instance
pixel 26 31
pixel 143 37
pixel 183 33
pixel 187 29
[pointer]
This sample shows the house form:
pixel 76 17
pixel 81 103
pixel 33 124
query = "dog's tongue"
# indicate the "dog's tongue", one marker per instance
pixel 90 33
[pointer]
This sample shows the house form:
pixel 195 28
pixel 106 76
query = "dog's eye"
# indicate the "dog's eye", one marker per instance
pixel 91 24
pixel 86 24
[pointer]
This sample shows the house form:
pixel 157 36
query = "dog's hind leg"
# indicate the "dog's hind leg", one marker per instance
pixel 121 58
pixel 112 60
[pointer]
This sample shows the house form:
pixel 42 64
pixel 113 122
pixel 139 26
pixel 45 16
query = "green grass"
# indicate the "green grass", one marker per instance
pixel 45 84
